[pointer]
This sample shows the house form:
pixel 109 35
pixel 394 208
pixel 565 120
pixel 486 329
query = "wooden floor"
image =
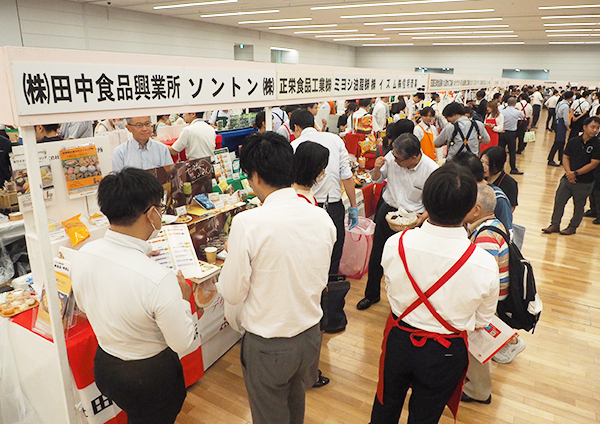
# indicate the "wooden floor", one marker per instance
pixel 555 380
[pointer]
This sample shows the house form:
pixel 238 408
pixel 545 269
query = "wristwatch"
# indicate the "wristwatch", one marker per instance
pixel 576 173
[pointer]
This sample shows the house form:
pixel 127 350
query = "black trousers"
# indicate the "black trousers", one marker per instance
pixel 536 114
pixel 551 117
pixel 337 212
pixel 509 138
pixel 560 135
pixel 432 370
pixel 521 128
pixel 150 391
pixel 382 233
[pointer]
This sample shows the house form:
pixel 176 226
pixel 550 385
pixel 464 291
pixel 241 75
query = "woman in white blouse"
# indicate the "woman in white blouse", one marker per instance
pixel 494 123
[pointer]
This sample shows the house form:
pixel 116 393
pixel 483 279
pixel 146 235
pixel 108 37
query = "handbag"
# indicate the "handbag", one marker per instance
pixel 333 300
pixel 529 136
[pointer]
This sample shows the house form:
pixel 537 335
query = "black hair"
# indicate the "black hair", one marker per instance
pixel 271 157
pixel 352 107
pixel 480 94
pixel 159 117
pixel 420 95
pixel 470 162
pixel 404 126
pixel 496 96
pixel 398 107
pixel 591 119
pixel 291 108
pixel 524 96
pixel 568 95
pixel 124 196
pixel 307 105
pixel 303 118
pixel 260 119
pixel 586 93
pixel 496 157
pixel 407 145
pixel 51 127
pixel 364 102
pixel 449 194
pixel 452 109
pixel 434 96
pixel 310 160
pixel 427 111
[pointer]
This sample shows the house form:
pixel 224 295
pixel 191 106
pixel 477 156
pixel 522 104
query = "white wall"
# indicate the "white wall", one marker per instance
pixel 571 63
pixel 71 25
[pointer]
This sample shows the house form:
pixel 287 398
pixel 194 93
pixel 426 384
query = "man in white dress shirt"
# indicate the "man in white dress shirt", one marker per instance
pixel 138 309
pixel 425 337
pixel 198 138
pixel 381 113
pixel 141 151
pixel 276 269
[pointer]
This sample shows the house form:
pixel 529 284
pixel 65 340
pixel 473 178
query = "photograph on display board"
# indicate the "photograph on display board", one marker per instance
pixel 21 180
pixel 82 170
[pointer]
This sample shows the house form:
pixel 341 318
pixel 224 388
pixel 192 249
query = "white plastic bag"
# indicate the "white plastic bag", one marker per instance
pixel 357 248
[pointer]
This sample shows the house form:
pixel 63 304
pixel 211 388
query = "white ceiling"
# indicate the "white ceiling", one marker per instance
pixel 520 21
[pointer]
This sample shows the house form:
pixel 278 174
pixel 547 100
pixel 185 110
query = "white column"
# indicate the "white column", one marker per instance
pixel 268 119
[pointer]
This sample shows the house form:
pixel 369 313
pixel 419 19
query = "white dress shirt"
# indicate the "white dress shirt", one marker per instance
pixel 499 128
pixel 381 112
pixel 580 106
pixel 355 116
pixel 537 99
pixel 338 168
pixel 526 108
pixel 133 303
pixel 277 265
pixel 512 116
pixel 284 131
pixel 421 128
pixel 279 117
pixel 133 155
pixel 552 101
pixel 405 186
pixel 466 301
pixel 198 140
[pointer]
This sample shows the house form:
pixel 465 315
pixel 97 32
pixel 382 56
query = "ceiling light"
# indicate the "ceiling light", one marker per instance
pixel 572 30
pixel 446 27
pixel 574 42
pixel 581 6
pixel 440 12
pixel 456 33
pixel 545 70
pixel 268 21
pixel 396 3
pixel 256 12
pixel 388 45
pixel 304 26
pixel 570 16
pixel 283 49
pixel 466 36
pixel 517 70
pixel 360 39
pixel 436 21
pixel 325 31
pixel 342 35
pixel 572 24
pixel 572 35
pixel 204 3
pixel 477 44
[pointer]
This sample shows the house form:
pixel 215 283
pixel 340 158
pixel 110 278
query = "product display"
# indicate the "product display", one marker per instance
pixel 16 302
pixel 82 170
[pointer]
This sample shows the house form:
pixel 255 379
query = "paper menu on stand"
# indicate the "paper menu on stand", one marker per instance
pixel 176 250
pixel 223 158
pixel 486 342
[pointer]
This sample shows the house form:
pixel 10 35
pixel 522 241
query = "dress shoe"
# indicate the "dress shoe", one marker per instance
pixel 515 172
pixel 596 221
pixel 465 398
pixel 552 163
pixel 551 229
pixel 322 381
pixel 590 214
pixel 569 231
pixel 518 152
pixel 366 304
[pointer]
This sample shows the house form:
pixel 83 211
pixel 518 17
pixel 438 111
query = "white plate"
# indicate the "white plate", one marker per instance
pixel 169 219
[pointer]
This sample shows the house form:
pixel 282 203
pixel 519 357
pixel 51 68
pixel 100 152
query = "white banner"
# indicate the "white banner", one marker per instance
pixel 456 82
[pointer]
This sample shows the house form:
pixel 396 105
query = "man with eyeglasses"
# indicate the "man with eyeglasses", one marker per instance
pixel 141 151
pixel 405 169
pixel 137 308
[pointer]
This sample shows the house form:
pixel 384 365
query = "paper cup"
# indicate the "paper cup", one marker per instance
pixel 211 254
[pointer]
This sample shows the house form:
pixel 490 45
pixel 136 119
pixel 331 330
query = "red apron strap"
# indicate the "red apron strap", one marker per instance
pixel 423 297
pixel 306 198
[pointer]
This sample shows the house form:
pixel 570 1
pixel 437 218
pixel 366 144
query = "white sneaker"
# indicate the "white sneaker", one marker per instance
pixel 508 352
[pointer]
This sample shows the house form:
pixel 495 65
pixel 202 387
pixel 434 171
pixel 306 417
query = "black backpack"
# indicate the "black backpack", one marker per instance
pixel 465 140
pixel 513 310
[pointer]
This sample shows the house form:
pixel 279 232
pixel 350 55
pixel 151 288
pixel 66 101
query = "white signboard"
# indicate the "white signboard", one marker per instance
pixel 58 88
pixel 439 82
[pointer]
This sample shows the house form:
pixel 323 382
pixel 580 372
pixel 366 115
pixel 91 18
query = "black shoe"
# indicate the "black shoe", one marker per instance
pixel 465 398
pixel 552 163
pixel 366 303
pixel 518 152
pixel 596 221
pixel 322 381
pixel 515 172
pixel 590 214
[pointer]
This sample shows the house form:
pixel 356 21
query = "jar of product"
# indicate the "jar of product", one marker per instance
pixel 362 162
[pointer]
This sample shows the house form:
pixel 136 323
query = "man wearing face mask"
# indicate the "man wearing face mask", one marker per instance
pixel 108 125
pixel 141 151
pixel 136 307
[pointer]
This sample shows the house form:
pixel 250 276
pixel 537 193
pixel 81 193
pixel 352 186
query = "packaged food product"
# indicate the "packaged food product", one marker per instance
pixel 17 301
pixel 76 230
pixel 204 201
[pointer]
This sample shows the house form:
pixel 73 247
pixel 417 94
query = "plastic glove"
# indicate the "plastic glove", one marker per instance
pixel 353 217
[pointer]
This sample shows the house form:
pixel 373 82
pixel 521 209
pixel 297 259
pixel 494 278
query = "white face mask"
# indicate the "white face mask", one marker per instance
pixel 156 230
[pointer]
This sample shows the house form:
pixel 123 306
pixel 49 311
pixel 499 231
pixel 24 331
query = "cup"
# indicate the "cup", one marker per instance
pixel 211 254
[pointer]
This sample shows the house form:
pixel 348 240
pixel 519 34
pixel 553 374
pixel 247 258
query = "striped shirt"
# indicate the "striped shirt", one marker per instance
pixel 494 244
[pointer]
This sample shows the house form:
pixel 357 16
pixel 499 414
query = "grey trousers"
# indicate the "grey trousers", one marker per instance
pixel 274 372
pixel 479 384
pixel 579 192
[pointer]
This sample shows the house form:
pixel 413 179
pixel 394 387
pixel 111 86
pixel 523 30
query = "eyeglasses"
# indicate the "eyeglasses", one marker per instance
pixel 399 161
pixel 162 207
pixel 139 125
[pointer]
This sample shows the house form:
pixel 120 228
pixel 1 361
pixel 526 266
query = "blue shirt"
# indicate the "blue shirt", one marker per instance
pixel 512 116
pixel 503 209
pixel 133 155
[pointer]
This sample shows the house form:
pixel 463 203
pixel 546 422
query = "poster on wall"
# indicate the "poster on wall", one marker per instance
pixel 82 170
pixel 21 180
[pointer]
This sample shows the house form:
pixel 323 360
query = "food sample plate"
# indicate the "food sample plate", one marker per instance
pixel 169 219
pixel 16 302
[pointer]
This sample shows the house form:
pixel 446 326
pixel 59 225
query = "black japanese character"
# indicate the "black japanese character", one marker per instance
pixel 361 84
pixel 373 84
pixel 292 85
pixel 268 86
pixel 315 85
pixel 35 88
pixel 235 86
pixel 328 85
pixel 388 83
pixel 142 86
pixel 300 85
pixel 173 85
pixel 199 87
pixel 61 88
pixel 218 89
pixel 355 85
pixel 100 403
pixel 124 90
pixel 307 85
pixel 84 85
pixel 104 84
pixel 283 85
pixel 321 85
pixel 253 88
pixel 343 86
pixel 336 85
pixel 158 87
